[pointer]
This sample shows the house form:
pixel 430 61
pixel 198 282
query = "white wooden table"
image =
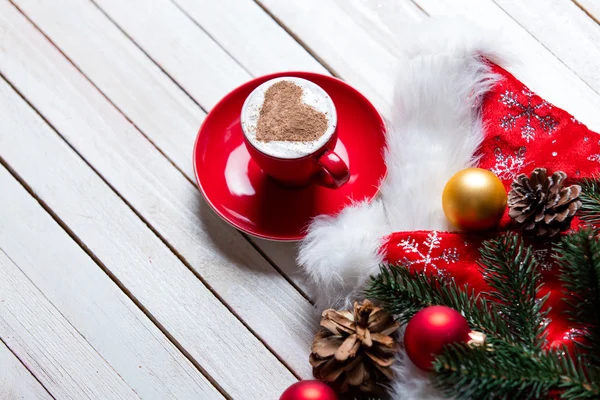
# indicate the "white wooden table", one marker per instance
pixel 116 279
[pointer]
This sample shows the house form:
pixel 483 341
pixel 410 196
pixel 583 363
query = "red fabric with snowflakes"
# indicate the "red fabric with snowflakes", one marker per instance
pixel 522 132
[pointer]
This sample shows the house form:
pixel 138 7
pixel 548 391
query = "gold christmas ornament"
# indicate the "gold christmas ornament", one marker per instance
pixel 355 349
pixel 474 199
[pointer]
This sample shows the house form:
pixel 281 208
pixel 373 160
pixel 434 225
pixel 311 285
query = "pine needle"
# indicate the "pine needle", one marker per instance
pixel 579 258
pixel 590 201
pixel 509 267
pixel 508 372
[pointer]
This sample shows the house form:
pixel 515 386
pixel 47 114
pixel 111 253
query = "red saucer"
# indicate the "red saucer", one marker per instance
pixel 249 200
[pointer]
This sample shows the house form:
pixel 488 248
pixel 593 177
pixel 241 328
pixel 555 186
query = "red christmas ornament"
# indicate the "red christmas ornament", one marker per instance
pixel 309 390
pixel 430 330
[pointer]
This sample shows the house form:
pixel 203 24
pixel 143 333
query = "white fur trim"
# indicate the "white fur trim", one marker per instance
pixel 434 131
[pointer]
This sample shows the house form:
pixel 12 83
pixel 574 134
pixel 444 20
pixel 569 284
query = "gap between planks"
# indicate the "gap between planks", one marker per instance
pixel 52 326
pixel 297 38
pixel 16 368
pixel 591 9
pixel 143 51
pixel 189 17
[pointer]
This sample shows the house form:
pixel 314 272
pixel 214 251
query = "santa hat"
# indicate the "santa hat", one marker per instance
pixel 455 107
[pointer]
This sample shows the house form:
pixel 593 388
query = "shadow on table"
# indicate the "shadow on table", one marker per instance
pixel 240 250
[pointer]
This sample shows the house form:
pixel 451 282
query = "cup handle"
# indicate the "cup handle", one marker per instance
pixel 334 171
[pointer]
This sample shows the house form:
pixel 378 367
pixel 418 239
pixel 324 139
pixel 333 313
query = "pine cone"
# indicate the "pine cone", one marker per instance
pixel 542 204
pixel 355 349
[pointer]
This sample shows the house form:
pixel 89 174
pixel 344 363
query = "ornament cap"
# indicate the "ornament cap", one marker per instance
pixel 476 339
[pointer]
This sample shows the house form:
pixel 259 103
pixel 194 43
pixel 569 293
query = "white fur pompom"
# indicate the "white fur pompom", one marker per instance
pixel 339 253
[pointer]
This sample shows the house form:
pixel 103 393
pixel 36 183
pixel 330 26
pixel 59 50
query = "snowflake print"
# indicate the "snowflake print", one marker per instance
pixel 542 257
pixel 594 157
pixel 529 113
pixel 432 242
pixel 508 167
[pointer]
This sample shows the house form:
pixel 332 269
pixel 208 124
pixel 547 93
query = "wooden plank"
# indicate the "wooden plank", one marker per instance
pixel 564 29
pixel 95 306
pixel 384 20
pixel 251 36
pixel 283 255
pixel 539 69
pixel 67 365
pixel 16 382
pixel 153 275
pixel 165 200
pixel 591 7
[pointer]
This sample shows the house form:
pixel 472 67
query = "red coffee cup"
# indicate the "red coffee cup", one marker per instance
pixel 296 163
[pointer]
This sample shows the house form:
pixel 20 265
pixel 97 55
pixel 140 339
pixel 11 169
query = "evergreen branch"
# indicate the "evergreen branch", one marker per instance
pixel 579 379
pixel 467 373
pixel 509 267
pixel 590 201
pixel 578 256
pixel 403 293
pixel 504 371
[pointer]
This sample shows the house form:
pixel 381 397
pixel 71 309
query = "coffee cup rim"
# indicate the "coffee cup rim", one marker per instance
pixel 325 138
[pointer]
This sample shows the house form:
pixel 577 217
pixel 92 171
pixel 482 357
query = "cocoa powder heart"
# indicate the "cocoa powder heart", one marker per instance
pixel 284 116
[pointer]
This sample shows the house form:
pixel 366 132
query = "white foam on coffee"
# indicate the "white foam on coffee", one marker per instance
pixel 312 95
